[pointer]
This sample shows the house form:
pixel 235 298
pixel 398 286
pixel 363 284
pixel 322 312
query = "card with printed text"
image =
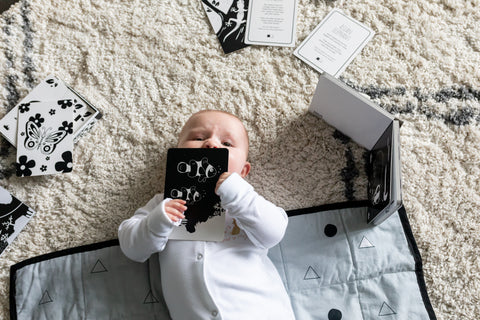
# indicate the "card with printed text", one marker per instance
pixel 334 43
pixel 272 22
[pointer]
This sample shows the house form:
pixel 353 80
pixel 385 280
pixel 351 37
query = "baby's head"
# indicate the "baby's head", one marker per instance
pixel 218 129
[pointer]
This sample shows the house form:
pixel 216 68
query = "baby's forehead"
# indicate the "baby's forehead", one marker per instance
pixel 214 117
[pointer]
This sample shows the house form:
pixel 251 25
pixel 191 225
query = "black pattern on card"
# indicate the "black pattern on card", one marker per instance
pixel 192 175
pixel 14 215
pixel 45 141
pixel 49 90
pixel 228 19
pixel 379 173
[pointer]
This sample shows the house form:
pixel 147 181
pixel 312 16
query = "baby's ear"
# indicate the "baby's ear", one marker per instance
pixel 246 169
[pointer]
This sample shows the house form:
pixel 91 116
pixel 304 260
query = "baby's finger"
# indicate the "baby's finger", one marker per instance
pixel 174 214
pixel 179 205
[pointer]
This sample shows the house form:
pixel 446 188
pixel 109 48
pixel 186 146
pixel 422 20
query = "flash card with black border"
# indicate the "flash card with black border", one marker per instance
pixel 192 175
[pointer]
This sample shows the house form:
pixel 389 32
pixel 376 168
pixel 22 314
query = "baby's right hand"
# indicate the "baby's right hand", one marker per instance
pixel 175 209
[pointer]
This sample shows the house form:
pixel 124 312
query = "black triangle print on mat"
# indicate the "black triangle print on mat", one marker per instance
pixel 150 298
pixel 386 310
pixel 45 298
pixel 311 274
pixel 98 267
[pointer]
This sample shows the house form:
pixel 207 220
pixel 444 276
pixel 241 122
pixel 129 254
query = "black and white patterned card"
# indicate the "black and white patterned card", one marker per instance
pixel 45 138
pixel 228 19
pixel 14 216
pixel 52 89
pixel 192 175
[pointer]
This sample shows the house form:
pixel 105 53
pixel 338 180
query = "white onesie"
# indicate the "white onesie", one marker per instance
pixel 232 279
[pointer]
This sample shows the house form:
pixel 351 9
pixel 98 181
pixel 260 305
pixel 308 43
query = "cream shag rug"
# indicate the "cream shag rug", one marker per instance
pixel 149 64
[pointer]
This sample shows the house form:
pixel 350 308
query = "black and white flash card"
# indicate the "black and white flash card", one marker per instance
pixel 228 19
pixel 52 89
pixel 45 138
pixel 192 175
pixel 14 216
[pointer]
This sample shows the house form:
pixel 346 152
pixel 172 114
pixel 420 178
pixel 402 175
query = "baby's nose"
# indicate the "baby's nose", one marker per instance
pixel 210 143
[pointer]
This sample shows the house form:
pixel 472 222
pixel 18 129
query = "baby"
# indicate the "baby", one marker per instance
pixel 232 279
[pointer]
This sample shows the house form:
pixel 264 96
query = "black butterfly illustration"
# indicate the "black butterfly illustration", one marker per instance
pixel 41 138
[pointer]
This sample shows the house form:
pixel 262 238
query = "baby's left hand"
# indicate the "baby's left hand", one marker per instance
pixel 222 178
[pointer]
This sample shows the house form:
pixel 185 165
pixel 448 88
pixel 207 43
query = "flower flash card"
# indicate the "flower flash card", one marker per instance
pixel 272 22
pixel 334 43
pixel 47 90
pixel 192 175
pixel 52 89
pixel 45 138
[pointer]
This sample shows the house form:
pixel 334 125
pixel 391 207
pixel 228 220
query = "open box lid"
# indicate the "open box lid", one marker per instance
pixel 349 111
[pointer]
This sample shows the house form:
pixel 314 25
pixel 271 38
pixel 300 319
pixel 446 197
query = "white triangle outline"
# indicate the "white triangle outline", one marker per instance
pixel 365 243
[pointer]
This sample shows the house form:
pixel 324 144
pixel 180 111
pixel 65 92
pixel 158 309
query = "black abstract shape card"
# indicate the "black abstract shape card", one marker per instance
pixel 45 138
pixel 14 216
pixel 192 175
pixel 228 19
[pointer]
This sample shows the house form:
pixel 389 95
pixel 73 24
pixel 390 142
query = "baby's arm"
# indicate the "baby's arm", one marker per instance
pixel 263 222
pixel 147 231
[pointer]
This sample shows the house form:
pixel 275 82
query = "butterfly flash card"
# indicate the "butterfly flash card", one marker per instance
pixel 44 138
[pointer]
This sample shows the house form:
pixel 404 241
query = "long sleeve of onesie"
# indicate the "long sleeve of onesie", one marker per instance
pixel 263 222
pixel 147 231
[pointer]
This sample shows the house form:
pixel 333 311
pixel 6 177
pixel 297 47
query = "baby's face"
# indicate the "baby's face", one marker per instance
pixel 212 129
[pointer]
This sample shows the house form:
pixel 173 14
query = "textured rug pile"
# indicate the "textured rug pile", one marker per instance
pixel 148 65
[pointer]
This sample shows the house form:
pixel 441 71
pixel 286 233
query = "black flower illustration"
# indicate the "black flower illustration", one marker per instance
pixel 52 112
pixel 23 166
pixel 67 164
pixel 67 103
pixel 38 120
pixel 24 107
pixel 52 82
pixel 67 127
pixel 43 168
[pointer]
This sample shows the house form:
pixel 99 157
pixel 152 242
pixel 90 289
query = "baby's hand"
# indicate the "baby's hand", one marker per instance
pixel 222 178
pixel 175 209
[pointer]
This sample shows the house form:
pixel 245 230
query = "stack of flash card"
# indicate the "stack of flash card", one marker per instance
pixel 44 126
